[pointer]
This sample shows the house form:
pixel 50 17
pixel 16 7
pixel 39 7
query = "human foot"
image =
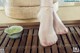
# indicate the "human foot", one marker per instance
pixel 47 35
pixel 59 27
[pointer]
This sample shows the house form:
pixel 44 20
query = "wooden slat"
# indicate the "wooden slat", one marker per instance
pixel 3 45
pixel 60 45
pixel 71 39
pixel 40 48
pixel 47 49
pixel 9 46
pixel 34 43
pixel 67 44
pixel 22 43
pixel 75 35
pixel 1 31
pixel 15 46
pixel 54 48
pixel 28 42
pixel 78 30
pixel 2 38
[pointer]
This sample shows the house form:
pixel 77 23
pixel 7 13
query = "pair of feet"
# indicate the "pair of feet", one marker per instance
pixel 50 25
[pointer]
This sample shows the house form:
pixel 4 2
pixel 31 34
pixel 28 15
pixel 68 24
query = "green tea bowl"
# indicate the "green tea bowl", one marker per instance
pixel 14 32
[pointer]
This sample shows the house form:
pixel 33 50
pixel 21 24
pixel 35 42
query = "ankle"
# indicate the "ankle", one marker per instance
pixel 47 3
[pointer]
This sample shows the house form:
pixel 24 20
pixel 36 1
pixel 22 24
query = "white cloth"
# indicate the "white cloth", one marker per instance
pixel 24 2
pixel 24 12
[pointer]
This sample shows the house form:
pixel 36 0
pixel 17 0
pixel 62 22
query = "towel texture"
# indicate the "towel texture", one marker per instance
pixel 22 12
pixel 24 2
pixel 24 9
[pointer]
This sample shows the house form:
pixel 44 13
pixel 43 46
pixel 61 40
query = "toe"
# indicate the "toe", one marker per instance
pixel 45 43
pixel 66 30
pixel 51 43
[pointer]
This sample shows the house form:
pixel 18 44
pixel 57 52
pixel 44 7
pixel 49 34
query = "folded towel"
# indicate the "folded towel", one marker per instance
pixel 22 12
pixel 24 2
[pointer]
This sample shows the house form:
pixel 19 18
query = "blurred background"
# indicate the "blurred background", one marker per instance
pixel 68 10
pixel 1 3
pixel 61 2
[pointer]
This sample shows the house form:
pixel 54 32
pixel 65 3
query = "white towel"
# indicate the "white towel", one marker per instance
pixel 22 12
pixel 25 12
pixel 24 2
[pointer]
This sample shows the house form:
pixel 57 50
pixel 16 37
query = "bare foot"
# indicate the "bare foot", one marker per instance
pixel 47 35
pixel 59 27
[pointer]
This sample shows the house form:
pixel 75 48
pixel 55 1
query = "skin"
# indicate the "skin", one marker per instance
pixel 59 27
pixel 50 24
pixel 47 35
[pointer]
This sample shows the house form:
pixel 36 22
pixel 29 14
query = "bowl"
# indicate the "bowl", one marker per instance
pixel 14 31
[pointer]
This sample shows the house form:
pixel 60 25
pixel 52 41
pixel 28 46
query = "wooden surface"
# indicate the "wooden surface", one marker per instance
pixel 29 42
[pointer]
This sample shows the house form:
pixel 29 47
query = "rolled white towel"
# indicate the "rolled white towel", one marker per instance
pixel 25 12
pixel 24 2
pixel 22 12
